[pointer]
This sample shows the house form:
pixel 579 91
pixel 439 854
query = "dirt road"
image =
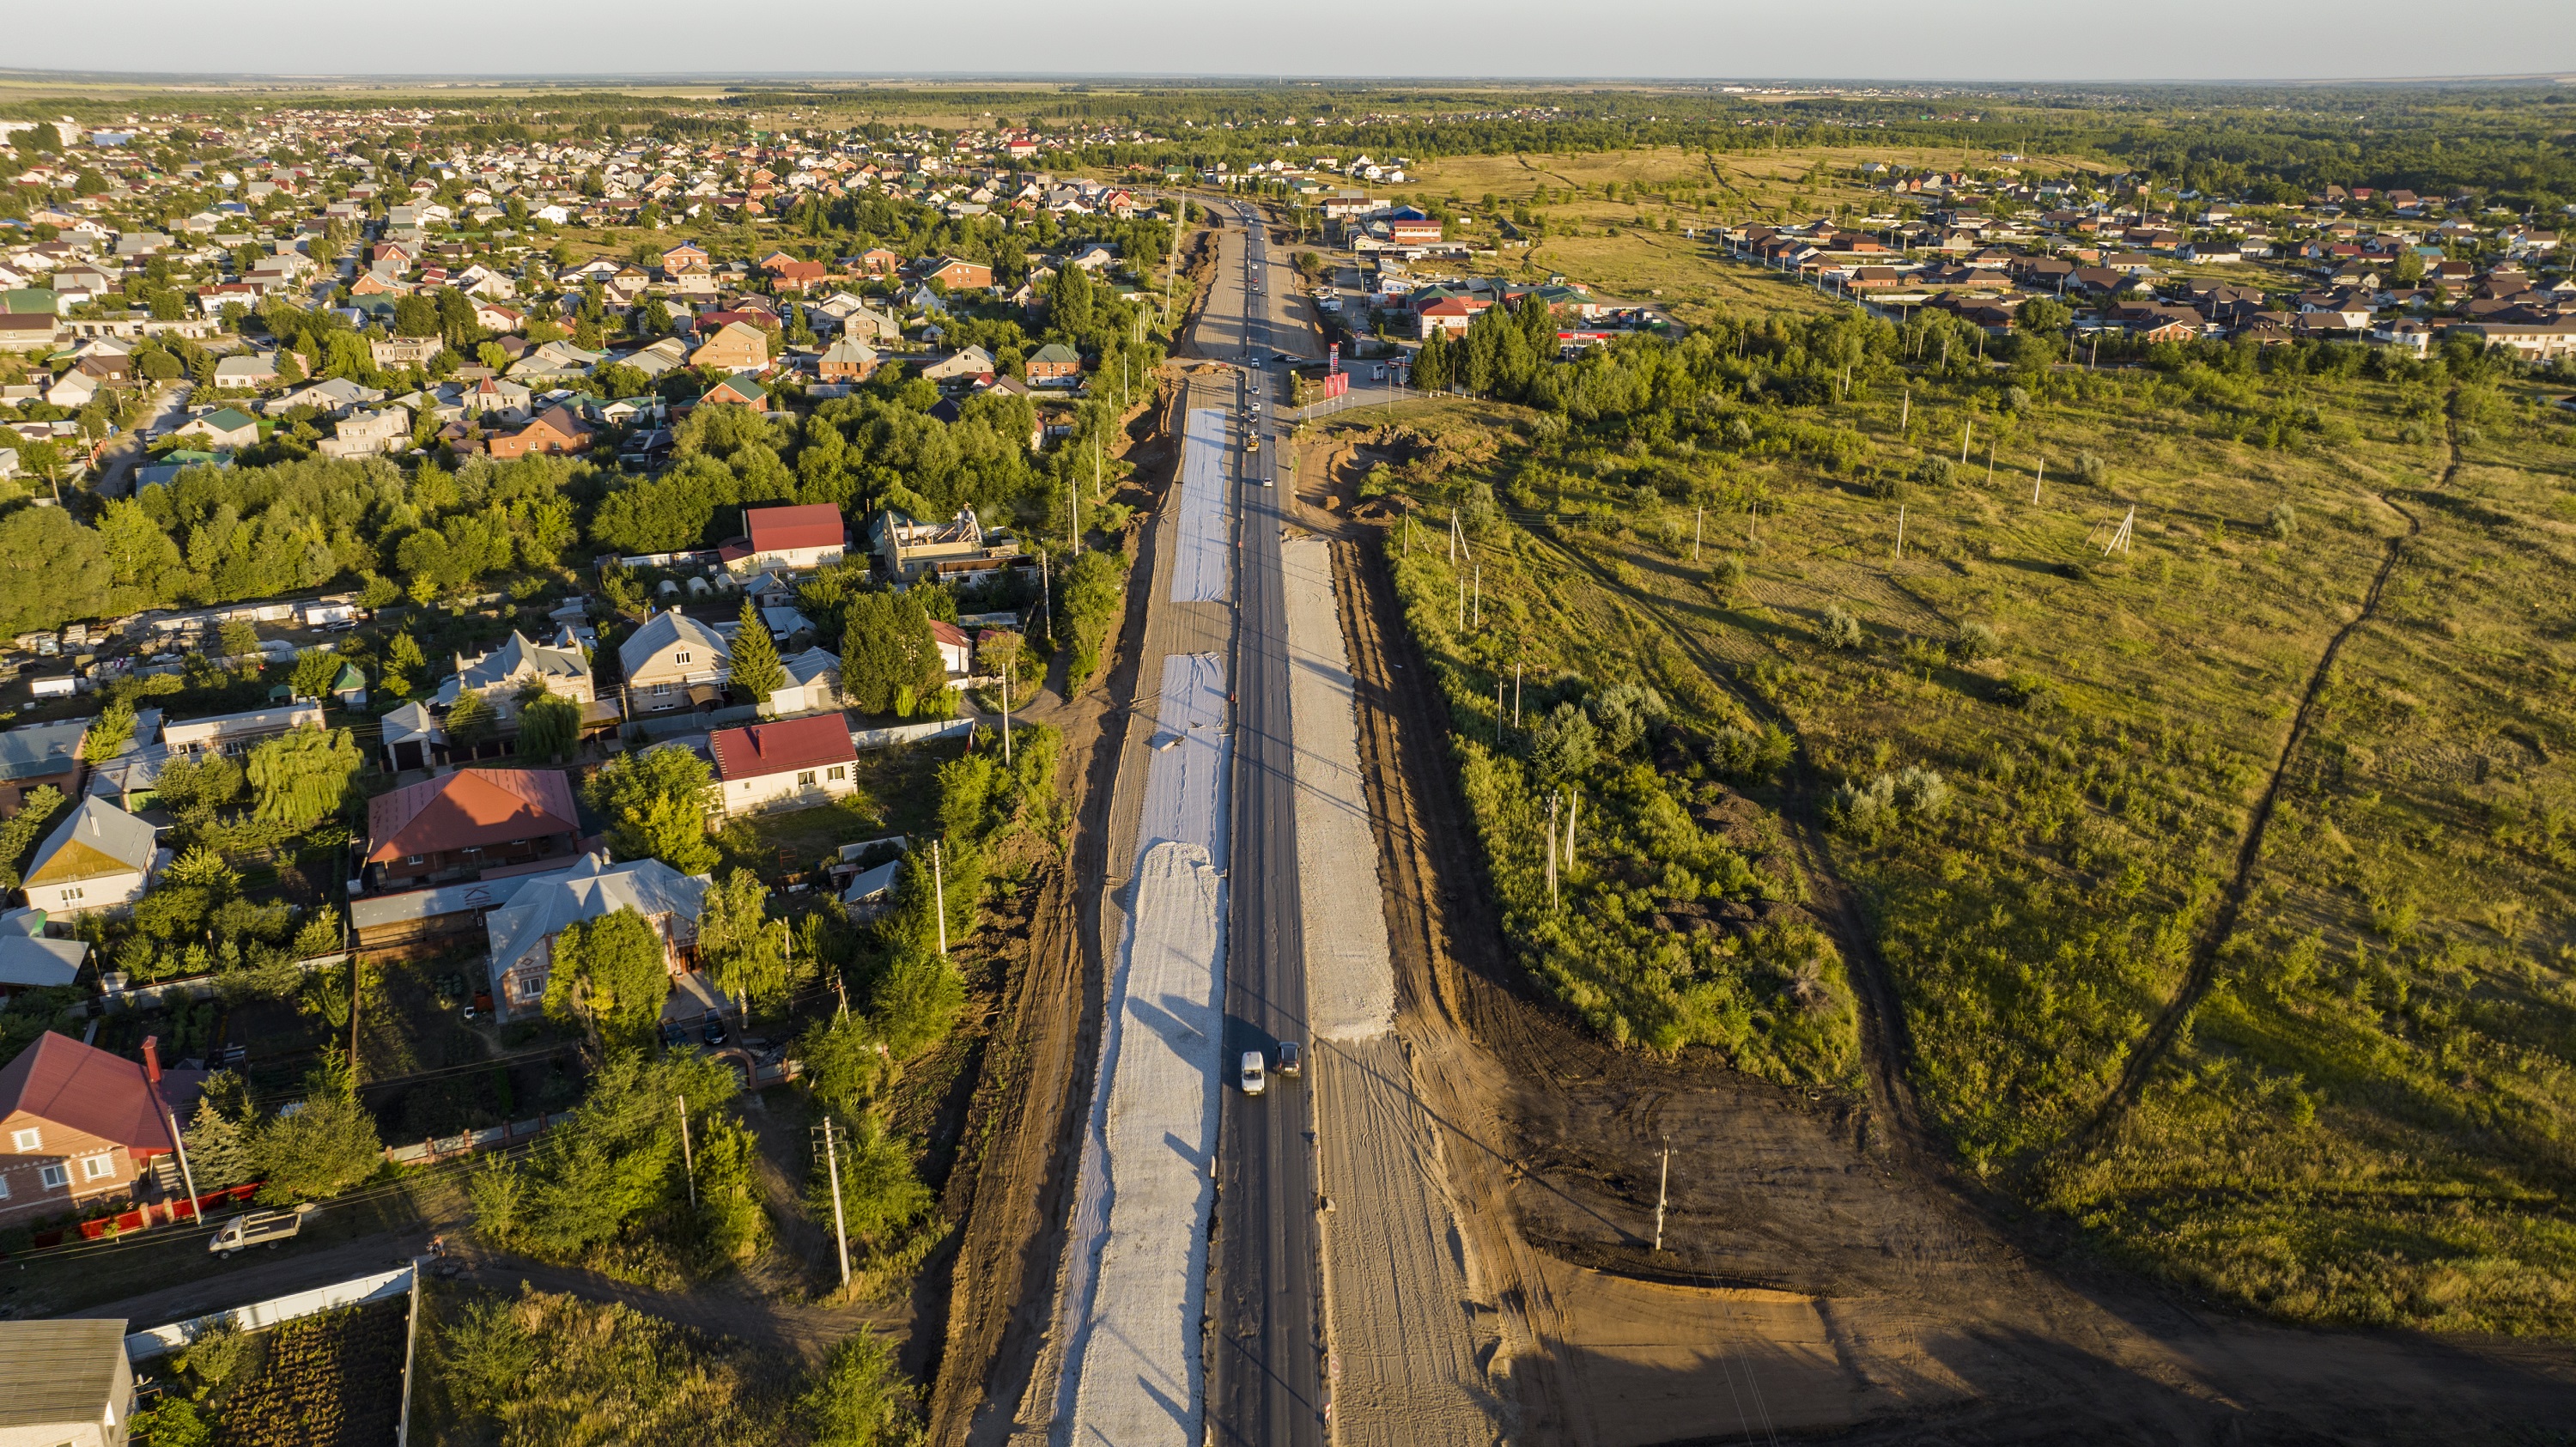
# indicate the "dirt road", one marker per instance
pixel 1818 1280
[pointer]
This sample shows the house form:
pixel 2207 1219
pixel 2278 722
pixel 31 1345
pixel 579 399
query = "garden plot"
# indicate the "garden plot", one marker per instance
pixel 1405 1350
pixel 1136 1267
pixel 1199 562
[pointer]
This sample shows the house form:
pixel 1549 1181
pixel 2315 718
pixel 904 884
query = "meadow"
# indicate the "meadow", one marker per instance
pixel 2325 1074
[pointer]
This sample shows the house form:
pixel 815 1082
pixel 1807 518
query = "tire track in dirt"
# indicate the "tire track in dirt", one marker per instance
pixel 2159 1038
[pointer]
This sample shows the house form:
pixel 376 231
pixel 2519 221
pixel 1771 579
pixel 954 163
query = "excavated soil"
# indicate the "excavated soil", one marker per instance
pixel 1825 1273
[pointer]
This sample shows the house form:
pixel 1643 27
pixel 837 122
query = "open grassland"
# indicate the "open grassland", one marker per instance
pixel 2329 1077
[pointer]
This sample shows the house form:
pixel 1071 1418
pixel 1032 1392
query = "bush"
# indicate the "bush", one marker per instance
pixel 1751 756
pixel 2030 691
pixel 1563 744
pixel 1921 792
pixel 1839 629
pixel 2285 521
pixel 1862 809
pixel 2088 470
pixel 1975 643
pixel 1935 471
pixel 1728 573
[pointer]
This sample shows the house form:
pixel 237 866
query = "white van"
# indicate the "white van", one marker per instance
pixel 1253 1080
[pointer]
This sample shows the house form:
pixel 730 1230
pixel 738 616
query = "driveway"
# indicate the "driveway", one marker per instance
pixel 169 408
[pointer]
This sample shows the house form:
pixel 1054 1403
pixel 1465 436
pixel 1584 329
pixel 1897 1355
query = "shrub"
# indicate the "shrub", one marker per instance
pixel 2030 691
pixel 2088 470
pixel 1728 574
pixel 1751 756
pixel 1975 643
pixel 1625 713
pixel 1839 629
pixel 1921 792
pixel 1935 471
pixel 1563 743
pixel 2285 521
pixel 2016 400
pixel 1862 809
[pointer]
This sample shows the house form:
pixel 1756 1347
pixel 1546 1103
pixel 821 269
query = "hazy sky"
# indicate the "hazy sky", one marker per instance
pixel 1956 40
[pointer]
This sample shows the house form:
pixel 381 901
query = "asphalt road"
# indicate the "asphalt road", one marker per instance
pixel 1266 1349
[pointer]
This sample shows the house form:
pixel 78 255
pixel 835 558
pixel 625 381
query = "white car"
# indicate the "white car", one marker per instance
pixel 1252 1077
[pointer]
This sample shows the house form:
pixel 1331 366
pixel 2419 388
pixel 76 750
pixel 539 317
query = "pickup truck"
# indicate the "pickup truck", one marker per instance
pixel 259 1227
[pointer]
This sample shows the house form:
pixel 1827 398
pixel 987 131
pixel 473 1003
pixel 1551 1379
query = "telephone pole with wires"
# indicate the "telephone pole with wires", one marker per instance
pixel 832 1168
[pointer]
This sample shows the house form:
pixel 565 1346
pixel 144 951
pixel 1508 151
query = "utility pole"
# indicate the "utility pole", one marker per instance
pixel 1698 515
pixel 1573 806
pixel 1516 695
pixel 1551 849
pixel 2034 481
pixel 185 1175
pixel 939 895
pixel 1990 462
pixel 1478 610
pixel 1967 431
pixel 840 1227
pixel 1662 1183
pixel 1498 712
pixel 353 1020
pixel 1073 515
pixel 688 1157
pixel 1462 603
pixel 1900 531
pixel 1453 537
pixel 1046 596
pixel 1006 716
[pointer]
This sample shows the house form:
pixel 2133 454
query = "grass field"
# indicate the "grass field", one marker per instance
pixel 2359 1114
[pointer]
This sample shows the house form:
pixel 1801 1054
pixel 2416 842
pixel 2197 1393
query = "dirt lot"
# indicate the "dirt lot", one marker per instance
pixel 1826 1273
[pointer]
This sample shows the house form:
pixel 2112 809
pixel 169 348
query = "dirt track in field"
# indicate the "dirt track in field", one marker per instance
pixel 1826 1275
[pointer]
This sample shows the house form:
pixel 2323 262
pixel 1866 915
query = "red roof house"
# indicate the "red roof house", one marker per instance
pixel 77 1123
pixel 785 764
pixel 791 537
pixel 467 824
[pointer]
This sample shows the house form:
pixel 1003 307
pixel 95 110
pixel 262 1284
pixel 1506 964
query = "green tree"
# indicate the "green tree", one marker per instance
pixel 916 1000
pixel 742 946
pixel 611 970
pixel 223 1137
pixel 110 732
pixel 756 671
pixel 880 1191
pixel 470 722
pixel 20 832
pixel 303 774
pixel 323 1145
pixel 846 1065
pixel 314 671
pixel 549 726
pixel 52 569
pixel 860 1397
pixel 656 803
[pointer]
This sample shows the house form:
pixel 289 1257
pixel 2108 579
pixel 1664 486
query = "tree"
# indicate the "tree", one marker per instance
pixel 323 1144
pixel 656 805
pixel 223 1136
pixel 315 671
pixel 20 831
pixel 880 1191
pixel 110 732
pixel 549 726
pixel 240 642
pixel 415 316
pixel 916 1000
pixel 303 774
pixel 470 722
pixel 740 943
pixel 859 1398
pixel 51 570
pixel 611 970
pixel 756 671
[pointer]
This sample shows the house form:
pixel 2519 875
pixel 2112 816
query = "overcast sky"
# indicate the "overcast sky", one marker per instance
pixel 1964 40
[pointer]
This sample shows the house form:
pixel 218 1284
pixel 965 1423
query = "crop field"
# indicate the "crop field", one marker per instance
pixel 2322 1071
pixel 333 1380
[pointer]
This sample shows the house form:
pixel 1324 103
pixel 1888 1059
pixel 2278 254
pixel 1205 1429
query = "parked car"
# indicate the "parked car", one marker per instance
pixel 711 1029
pixel 1292 1060
pixel 674 1034
pixel 1252 1080
pixel 258 1228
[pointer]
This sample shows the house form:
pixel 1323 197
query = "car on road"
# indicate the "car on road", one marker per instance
pixel 1379 375
pixel 711 1028
pixel 1292 1058
pixel 674 1034
pixel 1251 1076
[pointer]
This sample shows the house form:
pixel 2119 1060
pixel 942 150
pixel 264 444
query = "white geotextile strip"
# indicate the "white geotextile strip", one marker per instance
pixel 1136 1257
pixel 1350 977
pixel 1202 549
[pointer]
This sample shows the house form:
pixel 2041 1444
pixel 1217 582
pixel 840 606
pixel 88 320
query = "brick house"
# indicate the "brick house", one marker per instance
pixel 955 273
pixel 737 346
pixel 78 1124
pixel 1054 363
pixel 555 432
pixel 806 536
pixel 847 360
pixel 522 933
pixel 467 824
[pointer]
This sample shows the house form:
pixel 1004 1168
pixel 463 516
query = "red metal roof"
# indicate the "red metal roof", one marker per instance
pixel 469 809
pixel 60 1081
pixel 777 748
pixel 777 529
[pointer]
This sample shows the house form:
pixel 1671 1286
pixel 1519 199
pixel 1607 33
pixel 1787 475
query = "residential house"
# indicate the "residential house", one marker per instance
pixel 660 357
pixel 559 430
pixel 967 365
pixel 32 961
pixel 1054 364
pixel 65 1383
pixel 737 346
pixel 522 933
pixel 474 823
pixel 98 858
pixel 673 661
pixel 2533 339
pixel 78 1125
pixel 368 434
pixel 40 756
pixel 739 389
pixel 225 427
pixel 333 395
pixel 846 360
pixel 808 536
pixel 396 353
pixel 787 763
pixel 956 651
pixel 518 665
pixel 953 273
